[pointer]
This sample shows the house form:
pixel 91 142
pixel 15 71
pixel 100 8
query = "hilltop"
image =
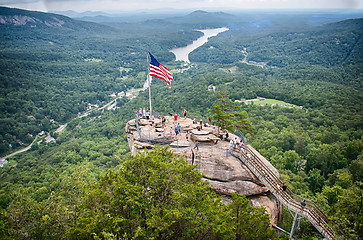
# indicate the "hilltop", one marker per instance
pixel 35 19
pixel 225 173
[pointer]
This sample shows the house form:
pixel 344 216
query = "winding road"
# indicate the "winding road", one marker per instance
pixel 3 160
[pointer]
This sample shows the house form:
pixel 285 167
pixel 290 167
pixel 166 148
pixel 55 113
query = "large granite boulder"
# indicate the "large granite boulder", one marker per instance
pixel 225 173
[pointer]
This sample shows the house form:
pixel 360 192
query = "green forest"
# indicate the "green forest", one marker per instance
pixel 51 74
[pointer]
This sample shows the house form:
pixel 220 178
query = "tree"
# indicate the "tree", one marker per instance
pixel 53 217
pixel 349 209
pixel 315 180
pixel 154 195
pixel 249 222
pixel 293 161
pixel 228 115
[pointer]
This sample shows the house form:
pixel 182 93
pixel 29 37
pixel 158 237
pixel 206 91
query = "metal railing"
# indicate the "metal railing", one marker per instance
pixel 290 200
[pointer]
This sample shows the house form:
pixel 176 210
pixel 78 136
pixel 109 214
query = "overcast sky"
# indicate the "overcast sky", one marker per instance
pixel 142 5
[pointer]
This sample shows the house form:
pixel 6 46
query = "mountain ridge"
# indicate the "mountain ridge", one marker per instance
pixel 16 18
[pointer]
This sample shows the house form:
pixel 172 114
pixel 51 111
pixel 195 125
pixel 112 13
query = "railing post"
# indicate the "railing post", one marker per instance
pixel 293 227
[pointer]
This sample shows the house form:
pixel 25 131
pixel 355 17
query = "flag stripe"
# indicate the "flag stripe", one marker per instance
pixel 160 71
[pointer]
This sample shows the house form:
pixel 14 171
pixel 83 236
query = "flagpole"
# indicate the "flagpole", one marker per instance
pixel 149 80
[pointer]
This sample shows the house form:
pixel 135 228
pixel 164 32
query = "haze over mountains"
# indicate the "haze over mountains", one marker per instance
pixel 54 69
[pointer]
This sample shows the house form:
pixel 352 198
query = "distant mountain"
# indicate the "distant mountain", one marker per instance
pixel 203 14
pixel 23 19
pixel 346 24
pixel 74 14
pixel 201 18
pixel 19 17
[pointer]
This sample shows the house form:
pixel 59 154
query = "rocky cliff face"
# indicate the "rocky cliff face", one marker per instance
pixel 225 173
pixel 19 20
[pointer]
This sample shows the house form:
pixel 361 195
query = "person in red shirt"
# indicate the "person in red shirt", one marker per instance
pixel 176 117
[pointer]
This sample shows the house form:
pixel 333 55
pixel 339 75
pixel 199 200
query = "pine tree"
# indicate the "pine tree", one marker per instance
pixel 228 115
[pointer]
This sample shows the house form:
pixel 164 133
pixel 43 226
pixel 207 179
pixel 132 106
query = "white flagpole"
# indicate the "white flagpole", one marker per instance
pixel 149 81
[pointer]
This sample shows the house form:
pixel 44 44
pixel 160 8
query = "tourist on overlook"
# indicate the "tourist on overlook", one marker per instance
pixel 152 120
pixel 140 112
pixel 144 112
pixel 179 128
pixel 185 114
pixel 196 145
pixel 175 117
pixel 147 114
pixel 187 135
pixel 163 121
pixel 240 145
pixel 176 131
pixel 284 187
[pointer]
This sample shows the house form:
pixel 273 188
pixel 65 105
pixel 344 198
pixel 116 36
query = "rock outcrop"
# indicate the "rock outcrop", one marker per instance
pixel 225 173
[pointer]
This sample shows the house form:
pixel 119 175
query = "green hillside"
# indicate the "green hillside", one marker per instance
pixel 52 68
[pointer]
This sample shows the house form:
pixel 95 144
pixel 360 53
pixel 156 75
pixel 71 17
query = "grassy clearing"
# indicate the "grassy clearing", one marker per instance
pixel 229 70
pixel 93 60
pixel 269 101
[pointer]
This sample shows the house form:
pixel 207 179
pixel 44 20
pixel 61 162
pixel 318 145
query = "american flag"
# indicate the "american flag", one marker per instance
pixel 160 71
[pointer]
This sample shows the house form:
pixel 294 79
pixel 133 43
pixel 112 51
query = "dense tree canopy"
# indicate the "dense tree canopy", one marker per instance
pixel 154 195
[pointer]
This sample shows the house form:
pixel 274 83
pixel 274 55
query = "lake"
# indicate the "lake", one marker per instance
pixel 182 53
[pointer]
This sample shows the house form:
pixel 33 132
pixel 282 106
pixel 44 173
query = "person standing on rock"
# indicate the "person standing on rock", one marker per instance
pixel 187 135
pixel 185 114
pixel 163 121
pixel 238 141
pixel 196 145
pixel 147 115
pixel 140 112
pixel 179 128
pixel 176 131
pixel 175 117
pixel 144 112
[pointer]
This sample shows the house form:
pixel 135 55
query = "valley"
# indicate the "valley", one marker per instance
pixel 70 90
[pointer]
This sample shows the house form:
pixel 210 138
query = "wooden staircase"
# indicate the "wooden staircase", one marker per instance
pixel 290 200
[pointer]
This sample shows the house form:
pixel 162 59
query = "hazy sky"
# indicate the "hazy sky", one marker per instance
pixel 135 5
